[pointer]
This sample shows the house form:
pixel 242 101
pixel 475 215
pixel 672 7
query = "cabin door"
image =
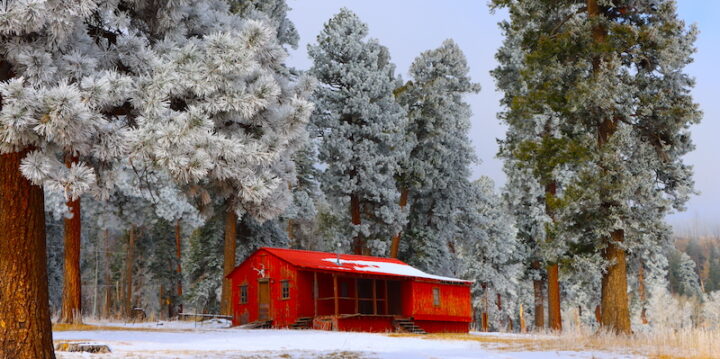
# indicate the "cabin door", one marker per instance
pixel 263 299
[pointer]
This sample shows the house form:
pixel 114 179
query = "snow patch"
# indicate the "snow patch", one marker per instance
pixel 295 344
pixel 386 268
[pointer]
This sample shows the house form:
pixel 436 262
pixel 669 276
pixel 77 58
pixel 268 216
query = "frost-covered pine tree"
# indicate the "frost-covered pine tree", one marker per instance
pixel 299 217
pixel 272 11
pixel 362 131
pixel 682 274
pixel 525 198
pixel 61 93
pixel 217 113
pixel 490 252
pixel 145 199
pixel 621 94
pixel 533 147
pixel 435 173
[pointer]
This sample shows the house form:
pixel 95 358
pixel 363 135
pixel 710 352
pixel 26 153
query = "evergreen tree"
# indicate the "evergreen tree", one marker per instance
pixel 272 11
pixel 713 282
pixel 219 115
pixel 60 90
pixel 435 173
pixel 683 278
pixel 525 198
pixel 491 254
pixel 613 74
pixel 362 131
pixel 299 216
pixel 533 148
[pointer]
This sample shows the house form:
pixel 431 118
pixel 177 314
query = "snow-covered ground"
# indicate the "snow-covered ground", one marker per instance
pixel 184 341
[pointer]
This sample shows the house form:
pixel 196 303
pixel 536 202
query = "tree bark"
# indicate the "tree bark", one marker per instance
pixel 553 270
pixel 395 244
pixel 614 300
pixel 71 311
pixel 641 291
pixel 485 321
pixel 228 260
pixel 25 329
pixel 107 289
pixel 178 256
pixel 129 263
pixel 554 317
pixel 538 286
pixel 358 245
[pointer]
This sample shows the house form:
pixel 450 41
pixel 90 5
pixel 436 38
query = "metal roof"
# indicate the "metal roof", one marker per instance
pixel 350 263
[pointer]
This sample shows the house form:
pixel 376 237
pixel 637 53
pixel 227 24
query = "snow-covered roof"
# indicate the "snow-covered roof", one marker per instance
pixel 350 263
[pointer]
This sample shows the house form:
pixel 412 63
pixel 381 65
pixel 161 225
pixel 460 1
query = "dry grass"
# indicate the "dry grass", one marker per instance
pixel 58 327
pixel 669 344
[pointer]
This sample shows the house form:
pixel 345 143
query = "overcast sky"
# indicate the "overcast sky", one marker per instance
pixel 408 27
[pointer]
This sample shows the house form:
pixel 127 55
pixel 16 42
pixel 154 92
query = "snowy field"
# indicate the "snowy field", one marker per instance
pixel 186 340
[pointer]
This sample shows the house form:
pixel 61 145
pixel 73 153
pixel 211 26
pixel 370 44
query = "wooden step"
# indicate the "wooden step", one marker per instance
pixel 408 325
pixel 302 323
pixel 260 324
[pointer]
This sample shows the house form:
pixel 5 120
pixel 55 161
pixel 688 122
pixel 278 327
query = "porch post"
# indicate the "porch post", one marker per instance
pixel 387 296
pixel 357 298
pixel 375 296
pixel 315 294
pixel 335 290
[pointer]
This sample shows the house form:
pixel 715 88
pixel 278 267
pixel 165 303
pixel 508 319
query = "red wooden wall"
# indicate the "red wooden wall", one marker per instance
pixel 283 312
pixel 454 305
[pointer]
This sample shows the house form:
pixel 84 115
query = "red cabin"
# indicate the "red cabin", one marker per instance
pixel 305 289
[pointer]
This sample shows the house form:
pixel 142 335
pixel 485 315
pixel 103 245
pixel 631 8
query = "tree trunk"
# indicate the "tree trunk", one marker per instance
pixel 71 311
pixel 107 289
pixel 395 244
pixel 358 245
pixel 614 299
pixel 229 260
pixel 554 317
pixel 486 308
pixel 641 291
pixel 25 329
pixel 129 263
pixel 178 255
pixel 538 286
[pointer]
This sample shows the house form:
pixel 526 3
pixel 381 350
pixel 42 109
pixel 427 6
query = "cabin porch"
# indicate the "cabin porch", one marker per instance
pixel 352 296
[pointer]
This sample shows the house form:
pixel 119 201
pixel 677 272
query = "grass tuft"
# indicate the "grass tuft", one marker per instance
pixel 659 344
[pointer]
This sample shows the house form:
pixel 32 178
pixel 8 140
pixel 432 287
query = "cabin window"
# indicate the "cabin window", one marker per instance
pixel 285 289
pixel 243 294
pixel 344 292
pixel 436 296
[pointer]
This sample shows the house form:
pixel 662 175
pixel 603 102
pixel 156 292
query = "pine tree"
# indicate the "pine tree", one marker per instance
pixel 435 173
pixel 532 144
pixel 613 74
pixel 491 254
pixel 217 113
pixel 362 129
pixel 525 199
pixel 683 278
pixel 272 11
pixel 60 90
